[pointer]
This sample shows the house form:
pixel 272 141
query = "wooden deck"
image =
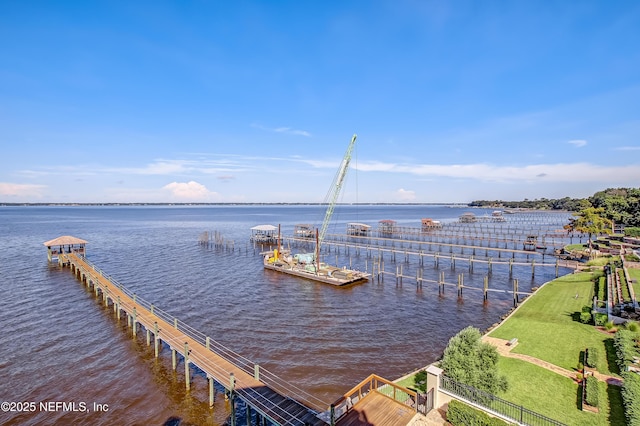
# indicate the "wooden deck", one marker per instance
pixel 228 369
pixel 378 409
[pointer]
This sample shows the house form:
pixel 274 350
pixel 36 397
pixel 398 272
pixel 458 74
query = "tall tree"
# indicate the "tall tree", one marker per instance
pixel 590 221
pixel 470 361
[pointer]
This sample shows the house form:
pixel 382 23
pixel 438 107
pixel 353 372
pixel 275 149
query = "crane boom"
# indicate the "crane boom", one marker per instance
pixel 334 190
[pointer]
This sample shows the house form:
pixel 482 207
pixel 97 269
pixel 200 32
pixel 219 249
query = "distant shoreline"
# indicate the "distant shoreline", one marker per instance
pixel 228 204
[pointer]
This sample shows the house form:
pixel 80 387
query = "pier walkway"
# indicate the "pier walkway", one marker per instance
pixel 260 390
pixel 375 401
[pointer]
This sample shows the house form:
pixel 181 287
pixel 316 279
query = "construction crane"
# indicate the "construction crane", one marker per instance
pixel 334 189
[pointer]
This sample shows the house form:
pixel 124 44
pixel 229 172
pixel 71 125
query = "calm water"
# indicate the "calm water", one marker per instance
pixel 60 345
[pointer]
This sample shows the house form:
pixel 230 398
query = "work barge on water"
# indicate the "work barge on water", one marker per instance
pixel 308 265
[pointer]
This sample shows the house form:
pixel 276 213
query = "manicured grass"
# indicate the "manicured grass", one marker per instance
pixel 547 326
pixel 634 274
pixel 556 396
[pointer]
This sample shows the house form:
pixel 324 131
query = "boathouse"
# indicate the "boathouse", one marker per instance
pixel 429 224
pixel 358 229
pixel 386 227
pixel 64 244
pixel 264 234
pixel 304 230
pixel 468 218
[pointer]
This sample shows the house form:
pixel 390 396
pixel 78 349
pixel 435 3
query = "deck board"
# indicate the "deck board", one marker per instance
pixel 377 409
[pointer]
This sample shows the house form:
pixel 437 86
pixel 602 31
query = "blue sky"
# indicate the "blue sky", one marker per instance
pixel 196 101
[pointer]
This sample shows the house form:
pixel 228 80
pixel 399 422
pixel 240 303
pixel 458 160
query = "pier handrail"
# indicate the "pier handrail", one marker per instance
pixel 267 377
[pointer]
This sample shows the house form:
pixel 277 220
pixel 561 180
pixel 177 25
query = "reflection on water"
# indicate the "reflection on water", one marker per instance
pixel 60 344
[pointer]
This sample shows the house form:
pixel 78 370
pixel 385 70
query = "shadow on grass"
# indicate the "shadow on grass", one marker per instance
pixel 616 410
pixel 579 397
pixel 575 316
pixel 611 356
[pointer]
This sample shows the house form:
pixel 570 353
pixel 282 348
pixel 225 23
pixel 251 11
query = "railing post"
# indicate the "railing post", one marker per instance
pixel 333 415
pixel 256 372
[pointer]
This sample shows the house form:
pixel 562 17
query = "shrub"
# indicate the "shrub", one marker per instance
pixel 630 398
pixel 585 317
pixel 460 414
pixel 580 367
pixel 609 325
pixel 591 391
pixel 592 357
pixel 633 326
pixel 601 319
pixel 420 379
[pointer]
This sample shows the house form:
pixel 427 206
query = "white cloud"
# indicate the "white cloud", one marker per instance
pixel 578 143
pixel 628 148
pixel 287 130
pixel 405 195
pixel 193 191
pixel 21 190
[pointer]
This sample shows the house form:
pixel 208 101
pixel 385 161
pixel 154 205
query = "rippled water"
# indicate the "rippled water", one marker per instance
pixel 60 345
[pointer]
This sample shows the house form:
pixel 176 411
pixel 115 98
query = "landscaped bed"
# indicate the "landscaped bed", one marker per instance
pixel 557 396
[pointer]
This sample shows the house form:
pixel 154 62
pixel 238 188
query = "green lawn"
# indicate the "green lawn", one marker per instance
pixel 547 325
pixel 556 396
pixel 634 274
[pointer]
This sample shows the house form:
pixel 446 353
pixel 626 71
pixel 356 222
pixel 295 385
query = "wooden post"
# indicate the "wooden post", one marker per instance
pixel 174 359
pixel 148 337
pixel 510 267
pixel 460 278
pixel 533 268
pixel 212 391
pixel 208 343
pixel 118 311
pixel 232 403
pixel 187 372
pixel 557 265
pixel 470 263
pixel 490 266
pixel 134 321
pixel 155 338
pixel 175 323
pixel 515 292
pixel 486 287
pixel 256 372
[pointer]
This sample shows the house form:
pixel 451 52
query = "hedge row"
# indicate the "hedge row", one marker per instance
pixel 591 391
pixel 602 288
pixel 624 344
pixel 630 398
pixel 592 357
pixel 460 414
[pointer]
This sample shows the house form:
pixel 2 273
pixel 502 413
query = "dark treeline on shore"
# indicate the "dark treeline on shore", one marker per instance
pixel 621 205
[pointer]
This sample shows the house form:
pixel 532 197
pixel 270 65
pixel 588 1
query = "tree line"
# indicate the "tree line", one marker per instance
pixel 620 205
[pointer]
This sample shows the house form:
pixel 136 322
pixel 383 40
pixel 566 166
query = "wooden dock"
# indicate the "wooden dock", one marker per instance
pixel 264 394
pixel 268 398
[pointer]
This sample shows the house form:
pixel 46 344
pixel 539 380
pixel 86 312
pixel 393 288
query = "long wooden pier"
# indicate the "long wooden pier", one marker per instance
pixel 266 396
pixel 269 397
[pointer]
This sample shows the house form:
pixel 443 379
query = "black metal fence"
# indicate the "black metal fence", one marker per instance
pixel 508 409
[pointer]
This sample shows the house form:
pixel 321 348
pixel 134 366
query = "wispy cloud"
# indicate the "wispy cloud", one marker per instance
pixel 21 190
pixel 560 172
pixel 627 148
pixel 287 130
pixel 578 143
